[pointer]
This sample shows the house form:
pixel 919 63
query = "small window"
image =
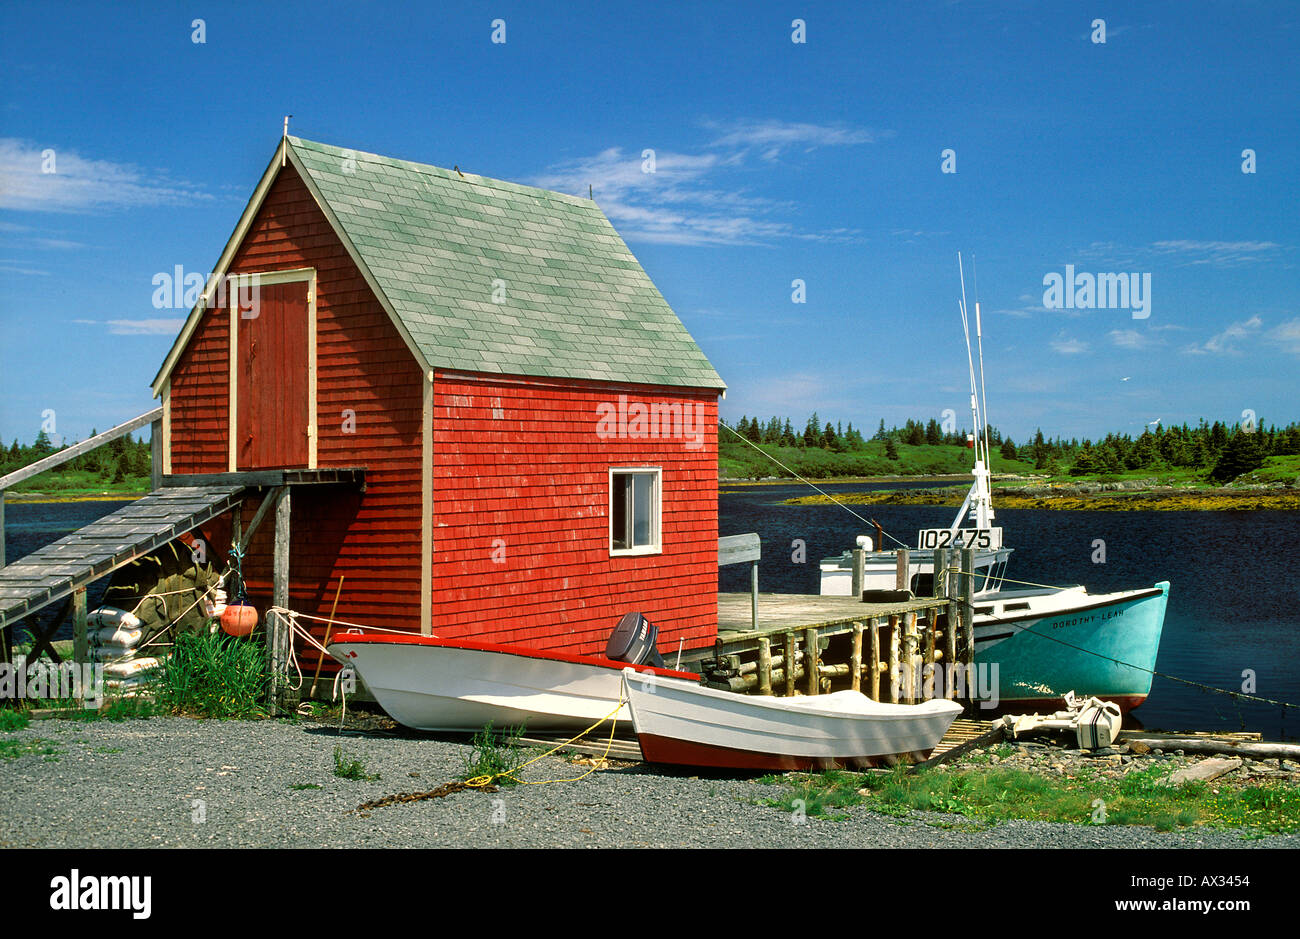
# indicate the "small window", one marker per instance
pixel 634 500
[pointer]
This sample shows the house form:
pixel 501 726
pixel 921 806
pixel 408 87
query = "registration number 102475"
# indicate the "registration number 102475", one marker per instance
pixel 959 538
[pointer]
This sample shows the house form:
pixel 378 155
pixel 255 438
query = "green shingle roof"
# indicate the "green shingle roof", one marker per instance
pixel 442 247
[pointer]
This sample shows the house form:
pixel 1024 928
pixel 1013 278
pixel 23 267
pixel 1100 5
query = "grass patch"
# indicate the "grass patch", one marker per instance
pixel 126 709
pixel 215 675
pixel 345 768
pixel 495 754
pixel 996 794
pixel 13 749
pixel 298 787
pixel 819 795
pixel 11 720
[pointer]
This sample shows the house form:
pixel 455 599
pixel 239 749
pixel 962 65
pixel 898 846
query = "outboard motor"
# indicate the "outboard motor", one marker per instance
pixel 633 641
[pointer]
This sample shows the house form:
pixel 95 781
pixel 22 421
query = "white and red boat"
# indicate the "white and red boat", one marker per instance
pixel 685 723
pixel 428 683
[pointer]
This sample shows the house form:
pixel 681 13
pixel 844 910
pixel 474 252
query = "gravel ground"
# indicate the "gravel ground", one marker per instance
pixel 176 782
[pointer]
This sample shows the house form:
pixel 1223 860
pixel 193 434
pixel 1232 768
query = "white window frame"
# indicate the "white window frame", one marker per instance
pixel 658 501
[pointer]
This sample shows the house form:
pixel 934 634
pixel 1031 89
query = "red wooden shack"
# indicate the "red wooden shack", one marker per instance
pixel 537 429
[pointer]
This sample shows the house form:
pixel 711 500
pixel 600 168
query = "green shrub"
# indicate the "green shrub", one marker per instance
pixel 215 675
pixel 495 754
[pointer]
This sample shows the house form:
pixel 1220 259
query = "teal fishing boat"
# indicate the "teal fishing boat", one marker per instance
pixel 1036 642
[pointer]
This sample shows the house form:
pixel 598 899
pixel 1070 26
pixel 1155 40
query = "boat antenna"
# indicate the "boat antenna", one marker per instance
pixel 977 500
pixel 979 341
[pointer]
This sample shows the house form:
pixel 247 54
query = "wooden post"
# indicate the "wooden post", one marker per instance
pixel 80 647
pixel 911 643
pixel 764 665
pixel 859 572
pixel 753 595
pixel 928 666
pixel 901 578
pixel 855 660
pixel 2 528
pixel 893 658
pixel 279 637
pixel 811 660
pixel 789 664
pixel 873 658
pixel 940 569
pixel 155 455
pixel 965 593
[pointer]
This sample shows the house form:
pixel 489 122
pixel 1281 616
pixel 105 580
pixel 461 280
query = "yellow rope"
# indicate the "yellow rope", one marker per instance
pixel 478 782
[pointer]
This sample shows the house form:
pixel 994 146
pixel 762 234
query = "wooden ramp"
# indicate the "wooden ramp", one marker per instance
pixel 58 570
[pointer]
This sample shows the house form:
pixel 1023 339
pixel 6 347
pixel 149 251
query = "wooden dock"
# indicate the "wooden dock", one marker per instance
pixel 69 565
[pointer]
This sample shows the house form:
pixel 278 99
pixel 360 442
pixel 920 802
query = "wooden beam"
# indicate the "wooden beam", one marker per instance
pixel 940 572
pixel 1254 749
pixel 789 664
pixel 894 649
pixel 426 508
pixel 77 449
pixel 268 500
pixel 279 636
pixel 80 647
pixel 155 455
pixel 901 579
pixel 811 660
pixel 966 591
pixel 855 659
pixel 261 478
pixel 765 666
pixel 873 661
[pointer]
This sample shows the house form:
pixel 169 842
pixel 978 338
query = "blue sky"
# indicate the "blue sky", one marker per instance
pixel 774 161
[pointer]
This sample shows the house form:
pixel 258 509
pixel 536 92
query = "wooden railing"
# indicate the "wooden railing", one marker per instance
pixel 152 418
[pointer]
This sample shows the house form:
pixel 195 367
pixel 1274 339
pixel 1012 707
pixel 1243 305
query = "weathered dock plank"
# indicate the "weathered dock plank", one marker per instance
pixel 59 570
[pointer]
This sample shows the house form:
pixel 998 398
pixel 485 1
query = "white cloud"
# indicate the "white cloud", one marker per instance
pixel 1217 253
pixel 155 327
pixel 79 184
pixel 1069 346
pixel 774 137
pixel 1133 339
pixel 1224 343
pixel 1287 336
pixel 693 198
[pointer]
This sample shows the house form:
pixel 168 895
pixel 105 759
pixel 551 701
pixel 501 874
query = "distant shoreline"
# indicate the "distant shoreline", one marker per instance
pixel 37 498
pixel 1072 498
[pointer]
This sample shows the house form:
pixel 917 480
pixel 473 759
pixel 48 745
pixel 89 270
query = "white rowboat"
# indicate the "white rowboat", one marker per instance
pixel 685 723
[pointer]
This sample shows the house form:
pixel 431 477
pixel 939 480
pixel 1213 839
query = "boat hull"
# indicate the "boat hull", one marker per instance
pixel 687 724
pixel 1098 646
pixel 443 685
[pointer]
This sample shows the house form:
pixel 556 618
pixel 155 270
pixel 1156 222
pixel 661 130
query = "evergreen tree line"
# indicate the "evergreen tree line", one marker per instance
pixel 1225 451
pixel 115 461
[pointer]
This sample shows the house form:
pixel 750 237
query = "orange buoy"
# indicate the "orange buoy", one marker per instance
pixel 239 619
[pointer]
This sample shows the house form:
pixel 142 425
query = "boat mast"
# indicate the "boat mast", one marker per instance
pixel 978 501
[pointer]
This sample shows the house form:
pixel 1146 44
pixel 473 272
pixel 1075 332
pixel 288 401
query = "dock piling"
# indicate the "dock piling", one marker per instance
pixel 855 659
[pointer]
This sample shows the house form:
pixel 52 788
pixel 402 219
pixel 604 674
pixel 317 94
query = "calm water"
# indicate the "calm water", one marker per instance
pixel 1234 603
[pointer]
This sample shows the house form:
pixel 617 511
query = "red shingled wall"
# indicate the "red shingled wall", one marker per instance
pixel 520 470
